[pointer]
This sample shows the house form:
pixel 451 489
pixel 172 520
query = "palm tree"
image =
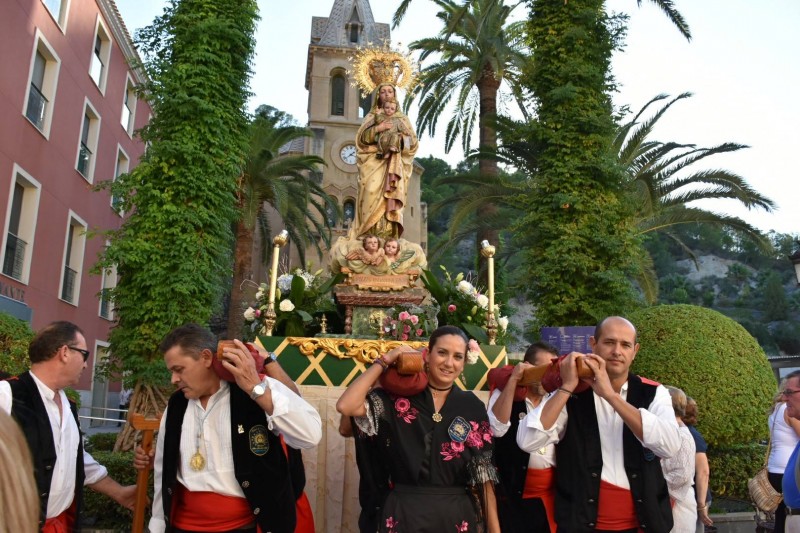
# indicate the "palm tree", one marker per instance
pixel 478 49
pixel 282 182
pixel 663 184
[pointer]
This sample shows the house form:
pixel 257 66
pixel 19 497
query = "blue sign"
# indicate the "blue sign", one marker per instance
pixel 569 338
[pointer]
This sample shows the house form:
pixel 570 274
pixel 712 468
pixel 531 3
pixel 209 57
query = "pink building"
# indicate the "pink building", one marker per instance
pixel 69 112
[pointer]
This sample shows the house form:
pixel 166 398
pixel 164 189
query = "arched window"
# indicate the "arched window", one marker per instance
pixel 330 214
pixel 364 104
pixel 349 209
pixel 337 94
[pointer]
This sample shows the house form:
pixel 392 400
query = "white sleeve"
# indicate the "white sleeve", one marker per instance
pixel 5 397
pixel 93 470
pixel 532 436
pixel 293 417
pixel 157 523
pixel 498 428
pixel 660 431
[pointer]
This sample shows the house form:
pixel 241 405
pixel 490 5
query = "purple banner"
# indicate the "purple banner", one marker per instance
pixel 569 338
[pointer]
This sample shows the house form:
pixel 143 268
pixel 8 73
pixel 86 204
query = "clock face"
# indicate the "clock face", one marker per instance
pixel 348 154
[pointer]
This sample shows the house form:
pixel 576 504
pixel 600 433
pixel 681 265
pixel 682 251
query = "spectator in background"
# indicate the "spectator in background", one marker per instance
pixel 19 501
pixel 124 403
pixel 784 434
pixel 702 491
pixel 679 470
pixel 791 491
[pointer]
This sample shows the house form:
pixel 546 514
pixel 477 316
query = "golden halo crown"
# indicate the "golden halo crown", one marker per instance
pixel 374 66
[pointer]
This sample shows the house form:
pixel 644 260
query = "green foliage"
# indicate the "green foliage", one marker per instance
pixel 773 299
pixel 732 466
pixel 787 337
pixel 578 236
pixel 715 361
pixel 173 252
pixel 15 335
pixel 100 511
pixel 101 442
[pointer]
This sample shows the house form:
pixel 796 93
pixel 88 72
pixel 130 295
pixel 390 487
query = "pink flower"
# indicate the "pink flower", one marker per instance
pixel 406 329
pixel 451 308
pixel 402 405
pixel 404 337
pixel 463 527
pixel 420 332
pixel 414 319
pixel 473 346
pixel 457 447
pixel 403 315
pixel 258 313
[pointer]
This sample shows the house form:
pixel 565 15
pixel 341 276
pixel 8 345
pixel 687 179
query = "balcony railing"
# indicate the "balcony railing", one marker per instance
pixel 84 160
pixel 68 289
pixel 14 260
pixel 37 107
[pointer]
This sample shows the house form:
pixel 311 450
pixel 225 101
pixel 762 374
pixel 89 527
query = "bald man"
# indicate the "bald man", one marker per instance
pixel 609 439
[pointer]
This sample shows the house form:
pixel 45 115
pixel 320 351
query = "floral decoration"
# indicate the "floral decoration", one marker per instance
pixel 409 322
pixel 463 526
pixel 391 524
pixel 301 297
pixel 404 410
pixel 478 437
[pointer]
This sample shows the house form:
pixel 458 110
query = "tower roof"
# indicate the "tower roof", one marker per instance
pixel 332 31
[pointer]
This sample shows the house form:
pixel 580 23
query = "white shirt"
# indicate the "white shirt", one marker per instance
pixel 544 457
pixel 292 417
pixel 679 474
pixel 66 435
pixel 659 428
pixel 784 440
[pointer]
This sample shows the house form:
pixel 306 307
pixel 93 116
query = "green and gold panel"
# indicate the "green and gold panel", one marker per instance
pixel 336 362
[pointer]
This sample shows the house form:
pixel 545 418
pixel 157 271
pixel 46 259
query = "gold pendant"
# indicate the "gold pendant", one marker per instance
pixel 436 417
pixel 197 462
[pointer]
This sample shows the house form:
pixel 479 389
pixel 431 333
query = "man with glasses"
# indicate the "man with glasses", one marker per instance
pixel 49 421
pixel 791 476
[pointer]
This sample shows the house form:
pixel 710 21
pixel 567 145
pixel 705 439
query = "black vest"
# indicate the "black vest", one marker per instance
pixel 264 479
pixel 29 411
pixel 512 462
pixel 579 461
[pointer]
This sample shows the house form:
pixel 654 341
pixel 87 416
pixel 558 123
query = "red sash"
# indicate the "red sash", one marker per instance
pixel 59 524
pixel 615 510
pixel 540 483
pixel 305 516
pixel 208 511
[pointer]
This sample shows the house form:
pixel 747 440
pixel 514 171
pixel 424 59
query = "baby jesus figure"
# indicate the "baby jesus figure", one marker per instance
pixel 370 252
pixel 390 140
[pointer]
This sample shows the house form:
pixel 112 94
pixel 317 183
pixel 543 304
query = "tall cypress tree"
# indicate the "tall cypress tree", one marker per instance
pixel 577 236
pixel 173 252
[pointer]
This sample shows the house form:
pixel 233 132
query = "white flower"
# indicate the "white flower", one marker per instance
pixel 259 294
pixel 503 322
pixel 483 301
pixel 250 314
pixel 285 282
pixel 473 352
pixel 286 306
pixel 465 286
pixel 308 277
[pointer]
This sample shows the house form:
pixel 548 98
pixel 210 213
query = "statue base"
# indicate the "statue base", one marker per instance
pixel 361 303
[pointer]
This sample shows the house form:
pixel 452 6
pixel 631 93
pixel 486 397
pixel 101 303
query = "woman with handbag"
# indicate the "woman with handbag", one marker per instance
pixel 784 435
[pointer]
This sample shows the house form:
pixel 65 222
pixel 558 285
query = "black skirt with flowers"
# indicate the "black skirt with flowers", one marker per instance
pixel 437 469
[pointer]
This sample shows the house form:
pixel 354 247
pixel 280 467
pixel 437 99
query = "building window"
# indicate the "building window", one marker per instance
pixel 353 27
pixel 349 210
pixel 73 260
pixel 337 95
pixel 123 162
pixel 42 85
pixel 58 9
pixel 129 107
pixel 87 146
pixel 109 282
pixel 20 225
pixel 330 214
pixel 364 105
pixel 101 55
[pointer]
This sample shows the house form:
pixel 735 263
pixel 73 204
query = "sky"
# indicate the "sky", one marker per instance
pixel 740 65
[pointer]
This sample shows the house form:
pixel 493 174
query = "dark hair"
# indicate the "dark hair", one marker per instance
pixel 50 338
pixel 446 330
pixel 536 347
pixel 690 413
pixel 598 329
pixel 191 337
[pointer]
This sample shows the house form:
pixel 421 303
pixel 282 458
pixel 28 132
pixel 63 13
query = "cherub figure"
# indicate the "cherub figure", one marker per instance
pixel 390 139
pixel 391 249
pixel 370 252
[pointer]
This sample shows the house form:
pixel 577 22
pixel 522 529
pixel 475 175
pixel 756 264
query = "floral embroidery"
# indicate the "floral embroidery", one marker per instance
pixel 477 437
pixel 404 410
pixel 463 527
pixel 391 523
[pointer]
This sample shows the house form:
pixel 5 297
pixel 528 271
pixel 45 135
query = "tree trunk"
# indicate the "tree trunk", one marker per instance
pixel 242 273
pixel 148 401
pixel 487 91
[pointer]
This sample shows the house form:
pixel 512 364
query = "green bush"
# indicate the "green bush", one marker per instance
pixel 715 361
pixel 732 466
pixel 101 512
pixel 787 337
pixel 14 338
pixel 101 442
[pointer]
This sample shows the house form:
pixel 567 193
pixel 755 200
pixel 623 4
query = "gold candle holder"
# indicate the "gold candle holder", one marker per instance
pixel 487 251
pixel 269 317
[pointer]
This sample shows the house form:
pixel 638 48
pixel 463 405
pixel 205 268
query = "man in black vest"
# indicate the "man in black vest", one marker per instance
pixel 220 464
pixel 609 439
pixel 36 400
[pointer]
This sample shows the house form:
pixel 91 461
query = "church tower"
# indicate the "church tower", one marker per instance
pixel 336 110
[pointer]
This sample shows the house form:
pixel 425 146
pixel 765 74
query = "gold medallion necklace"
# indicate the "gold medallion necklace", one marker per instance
pixel 437 416
pixel 197 461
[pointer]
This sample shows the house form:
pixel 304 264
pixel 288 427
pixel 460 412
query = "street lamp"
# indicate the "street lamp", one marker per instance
pixel 795 259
